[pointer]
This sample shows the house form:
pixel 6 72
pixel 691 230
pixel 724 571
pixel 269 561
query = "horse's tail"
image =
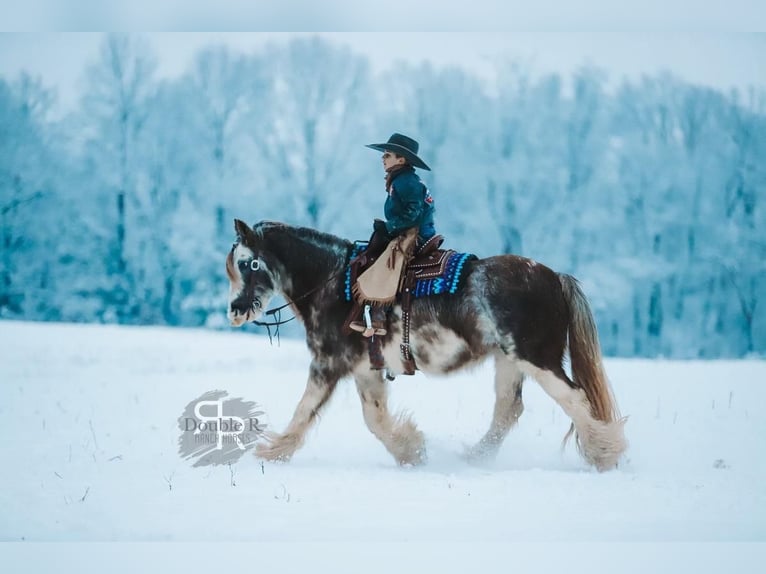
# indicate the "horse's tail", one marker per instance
pixel 585 353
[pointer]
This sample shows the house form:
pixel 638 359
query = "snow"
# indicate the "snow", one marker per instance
pixel 89 413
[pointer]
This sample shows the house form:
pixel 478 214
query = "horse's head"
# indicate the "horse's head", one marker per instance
pixel 252 282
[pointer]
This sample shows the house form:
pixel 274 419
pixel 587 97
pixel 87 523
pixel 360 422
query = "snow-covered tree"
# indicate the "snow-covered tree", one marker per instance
pixel 27 171
pixel 312 145
pixel 114 111
pixel 651 193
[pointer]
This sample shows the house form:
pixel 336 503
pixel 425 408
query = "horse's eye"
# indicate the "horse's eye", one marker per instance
pixel 242 266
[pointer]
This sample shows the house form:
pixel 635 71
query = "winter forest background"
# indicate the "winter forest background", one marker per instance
pixel 653 193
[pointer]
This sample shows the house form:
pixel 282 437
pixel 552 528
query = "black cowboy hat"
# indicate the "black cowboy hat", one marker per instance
pixel 403 146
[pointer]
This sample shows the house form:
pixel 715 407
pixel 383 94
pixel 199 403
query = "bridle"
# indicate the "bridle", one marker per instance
pixel 276 313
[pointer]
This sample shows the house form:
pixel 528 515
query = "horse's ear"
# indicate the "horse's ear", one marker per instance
pixel 242 229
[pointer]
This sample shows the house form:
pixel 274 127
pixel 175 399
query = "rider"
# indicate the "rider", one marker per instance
pixel 408 202
pixel 408 205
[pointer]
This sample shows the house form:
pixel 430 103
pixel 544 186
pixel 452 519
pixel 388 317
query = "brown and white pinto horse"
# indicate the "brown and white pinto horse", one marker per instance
pixel 511 308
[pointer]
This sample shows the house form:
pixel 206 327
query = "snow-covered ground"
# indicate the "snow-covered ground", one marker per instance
pixel 88 420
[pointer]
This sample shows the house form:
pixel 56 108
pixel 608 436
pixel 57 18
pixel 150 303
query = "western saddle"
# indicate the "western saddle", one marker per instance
pixel 425 261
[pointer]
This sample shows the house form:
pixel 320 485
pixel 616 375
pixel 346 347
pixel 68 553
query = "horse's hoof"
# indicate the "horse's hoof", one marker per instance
pixel 478 454
pixel 416 458
pixel 266 452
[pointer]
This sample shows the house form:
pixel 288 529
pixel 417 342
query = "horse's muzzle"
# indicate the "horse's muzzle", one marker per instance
pixel 237 319
pixel 241 312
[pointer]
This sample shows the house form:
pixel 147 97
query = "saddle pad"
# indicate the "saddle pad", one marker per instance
pixel 359 248
pixel 442 276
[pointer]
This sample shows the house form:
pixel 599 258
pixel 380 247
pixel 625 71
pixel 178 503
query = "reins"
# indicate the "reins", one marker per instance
pixel 277 313
pixel 278 321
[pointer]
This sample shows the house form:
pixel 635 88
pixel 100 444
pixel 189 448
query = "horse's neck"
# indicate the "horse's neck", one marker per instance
pixel 309 258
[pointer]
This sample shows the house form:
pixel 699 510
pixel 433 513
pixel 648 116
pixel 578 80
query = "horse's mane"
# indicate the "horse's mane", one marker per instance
pixel 321 244
pixel 319 238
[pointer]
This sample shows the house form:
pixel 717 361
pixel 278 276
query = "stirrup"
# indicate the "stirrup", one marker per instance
pixel 369 328
pixel 360 327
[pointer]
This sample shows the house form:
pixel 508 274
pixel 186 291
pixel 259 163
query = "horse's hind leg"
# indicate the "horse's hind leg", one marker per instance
pixel 281 447
pixel 508 408
pixel 399 434
pixel 599 443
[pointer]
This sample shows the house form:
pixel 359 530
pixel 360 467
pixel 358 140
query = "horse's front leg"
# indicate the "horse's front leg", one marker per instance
pixel 398 434
pixel 320 386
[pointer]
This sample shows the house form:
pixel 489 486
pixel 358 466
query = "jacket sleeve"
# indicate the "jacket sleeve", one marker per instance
pixel 408 205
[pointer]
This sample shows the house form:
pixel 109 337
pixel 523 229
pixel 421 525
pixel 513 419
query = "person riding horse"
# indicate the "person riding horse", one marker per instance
pixel 409 213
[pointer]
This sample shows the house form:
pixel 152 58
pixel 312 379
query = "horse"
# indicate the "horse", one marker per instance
pixel 513 309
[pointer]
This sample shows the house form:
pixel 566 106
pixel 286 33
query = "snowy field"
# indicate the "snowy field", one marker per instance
pixel 88 417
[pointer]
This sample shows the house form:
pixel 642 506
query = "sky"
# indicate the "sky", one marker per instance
pixel 722 59
pixel 400 15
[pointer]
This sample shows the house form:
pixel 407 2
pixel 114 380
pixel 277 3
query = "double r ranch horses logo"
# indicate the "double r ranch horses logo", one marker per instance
pixel 217 429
